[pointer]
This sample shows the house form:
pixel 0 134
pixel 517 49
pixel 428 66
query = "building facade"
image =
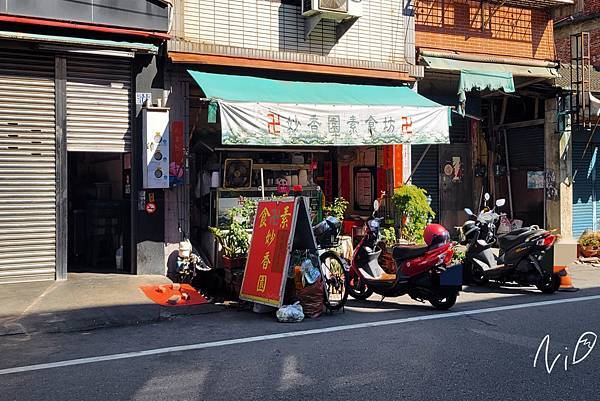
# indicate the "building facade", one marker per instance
pixel 580 23
pixel 69 74
pixel 366 43
pixel 495 63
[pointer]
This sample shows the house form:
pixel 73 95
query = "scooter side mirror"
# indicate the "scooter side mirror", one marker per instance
pixel 468 211
pixel 500 202
pixel 486 197
pixel 375 205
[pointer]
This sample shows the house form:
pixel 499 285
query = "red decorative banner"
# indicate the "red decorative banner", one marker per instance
pixel 265 273
pixel 398 166
pixel 177 147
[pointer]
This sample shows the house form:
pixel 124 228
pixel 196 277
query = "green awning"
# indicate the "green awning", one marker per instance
pixel 483 80
pixel 238 88
pixel 270 112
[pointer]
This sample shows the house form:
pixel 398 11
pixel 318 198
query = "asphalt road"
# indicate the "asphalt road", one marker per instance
pixel 485 354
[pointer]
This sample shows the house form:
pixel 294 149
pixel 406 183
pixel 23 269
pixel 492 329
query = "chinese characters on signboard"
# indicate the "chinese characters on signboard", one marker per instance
pixel 289 124
pixel 265 269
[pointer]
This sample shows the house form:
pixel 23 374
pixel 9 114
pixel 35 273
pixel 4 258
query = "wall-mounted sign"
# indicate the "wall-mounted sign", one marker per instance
pixel 156 155
pixel 141 97
pixel 150 207
pixel 535 179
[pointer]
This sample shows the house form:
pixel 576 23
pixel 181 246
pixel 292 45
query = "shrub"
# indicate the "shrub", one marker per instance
pixel 411 203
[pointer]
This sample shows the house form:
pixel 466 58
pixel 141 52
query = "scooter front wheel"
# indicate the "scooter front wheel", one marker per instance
pixel 443 302
pixel 357 288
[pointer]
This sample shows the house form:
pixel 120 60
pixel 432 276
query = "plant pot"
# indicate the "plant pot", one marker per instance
pixel 233 263
pixel 588 251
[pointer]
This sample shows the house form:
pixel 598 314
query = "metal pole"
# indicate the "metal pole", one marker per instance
pixel 510 201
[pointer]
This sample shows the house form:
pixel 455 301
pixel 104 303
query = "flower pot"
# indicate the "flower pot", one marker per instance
pixel 234 263
pixel 588 251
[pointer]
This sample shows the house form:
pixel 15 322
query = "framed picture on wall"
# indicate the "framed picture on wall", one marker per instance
pixel 364 188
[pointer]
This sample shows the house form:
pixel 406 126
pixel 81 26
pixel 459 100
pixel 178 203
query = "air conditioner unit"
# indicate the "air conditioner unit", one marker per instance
pixel 332 9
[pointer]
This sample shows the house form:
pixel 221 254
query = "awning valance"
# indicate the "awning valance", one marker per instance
pixel 483 80
pixel 517 70
pixel 269 112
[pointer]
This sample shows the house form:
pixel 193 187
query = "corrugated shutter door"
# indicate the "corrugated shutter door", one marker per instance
pixel 98 104
pixel 585 186
pixel 427 176
pixel 27 168
pixel 525 147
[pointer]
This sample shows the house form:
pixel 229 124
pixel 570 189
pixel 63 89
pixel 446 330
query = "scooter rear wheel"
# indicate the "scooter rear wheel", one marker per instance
pixel 444 302
pixel 551 285
pixel 357 288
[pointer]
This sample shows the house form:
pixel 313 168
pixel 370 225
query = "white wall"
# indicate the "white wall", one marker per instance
pixel 378 36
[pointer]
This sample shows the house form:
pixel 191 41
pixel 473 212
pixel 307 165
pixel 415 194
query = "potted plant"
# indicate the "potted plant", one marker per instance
pixel 337 208
pixel 589 243
pixel 235 239
pixel 388 240
pixel 414 210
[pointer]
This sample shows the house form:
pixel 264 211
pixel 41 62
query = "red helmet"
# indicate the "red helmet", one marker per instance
pixel 435 235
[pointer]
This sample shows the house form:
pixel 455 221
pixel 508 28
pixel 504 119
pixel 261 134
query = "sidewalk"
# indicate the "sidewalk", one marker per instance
pixel 85 301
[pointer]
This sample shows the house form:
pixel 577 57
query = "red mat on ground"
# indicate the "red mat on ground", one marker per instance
pixel 153 292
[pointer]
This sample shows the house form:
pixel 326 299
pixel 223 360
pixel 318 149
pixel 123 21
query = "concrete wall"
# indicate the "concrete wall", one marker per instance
pixel 148 229
pixel 558 157
pixel 144 14
pixel 508 31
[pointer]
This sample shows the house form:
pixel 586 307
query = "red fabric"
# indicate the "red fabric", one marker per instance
pixel 398 170
pixel 153 292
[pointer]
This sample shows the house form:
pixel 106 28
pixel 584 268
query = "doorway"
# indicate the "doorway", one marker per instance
pixel 98 212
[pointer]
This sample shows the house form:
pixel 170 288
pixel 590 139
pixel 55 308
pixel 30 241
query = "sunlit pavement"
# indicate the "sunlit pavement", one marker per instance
pixel 487 355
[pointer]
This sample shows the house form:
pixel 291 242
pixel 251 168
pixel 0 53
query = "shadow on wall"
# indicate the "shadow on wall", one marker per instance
pixel 291 33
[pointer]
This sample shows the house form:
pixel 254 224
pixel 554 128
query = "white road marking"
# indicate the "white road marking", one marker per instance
pixel 277 336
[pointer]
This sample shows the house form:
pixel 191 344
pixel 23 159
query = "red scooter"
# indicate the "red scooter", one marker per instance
pixel 422 272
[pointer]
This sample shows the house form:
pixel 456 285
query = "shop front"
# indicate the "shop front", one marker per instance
pixel 498 136
pixel 66 123
pixel 254 138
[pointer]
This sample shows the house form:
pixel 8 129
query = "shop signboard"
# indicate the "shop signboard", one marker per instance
pixel 275 227
pixel 273 124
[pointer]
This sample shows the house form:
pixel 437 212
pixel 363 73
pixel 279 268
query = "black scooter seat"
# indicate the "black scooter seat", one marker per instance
pixel 402 252
pixel 515 237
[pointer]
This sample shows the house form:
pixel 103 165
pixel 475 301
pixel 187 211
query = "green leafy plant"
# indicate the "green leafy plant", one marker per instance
pixel 590 239
pixel 337 208
pixel 234 239
pixel 411 203
pixel 459 254
pixel 388 236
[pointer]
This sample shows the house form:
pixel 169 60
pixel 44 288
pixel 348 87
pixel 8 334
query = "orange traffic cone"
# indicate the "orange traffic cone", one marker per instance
pixel 566 284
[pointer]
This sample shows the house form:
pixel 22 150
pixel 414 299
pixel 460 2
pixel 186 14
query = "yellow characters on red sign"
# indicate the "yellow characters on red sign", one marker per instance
pixel 262 283
pixel 285 218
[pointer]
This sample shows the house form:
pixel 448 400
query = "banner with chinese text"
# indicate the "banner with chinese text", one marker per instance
pixel 266 269
pixel 273 124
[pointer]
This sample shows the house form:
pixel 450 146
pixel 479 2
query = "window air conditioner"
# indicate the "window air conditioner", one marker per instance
pixel 332 9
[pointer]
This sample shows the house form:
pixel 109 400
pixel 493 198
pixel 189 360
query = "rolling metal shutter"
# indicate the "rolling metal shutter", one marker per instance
pixel 586 185
pixel 427 176
pixel 27 168
pixel 98 104
pixel 526 147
